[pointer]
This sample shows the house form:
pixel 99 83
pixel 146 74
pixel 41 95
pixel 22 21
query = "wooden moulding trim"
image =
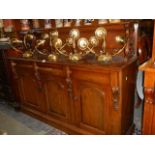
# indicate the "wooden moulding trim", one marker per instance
pixel 64 126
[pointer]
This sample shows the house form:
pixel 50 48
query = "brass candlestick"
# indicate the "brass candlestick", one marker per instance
pixel 101 33
pixel 41 43
pixel 74 35
pixel 56 42
pixel 123 41
pixel 28 41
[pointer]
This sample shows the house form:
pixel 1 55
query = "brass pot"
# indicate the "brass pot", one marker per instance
pixel 27 54
pixel 104 58
pixel 75 57
pixel 52 57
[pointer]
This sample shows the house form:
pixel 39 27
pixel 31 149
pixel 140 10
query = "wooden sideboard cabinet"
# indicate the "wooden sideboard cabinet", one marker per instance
pixel 79 98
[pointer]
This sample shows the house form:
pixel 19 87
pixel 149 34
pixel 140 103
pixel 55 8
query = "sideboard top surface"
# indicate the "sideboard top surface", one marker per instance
pixel 117 63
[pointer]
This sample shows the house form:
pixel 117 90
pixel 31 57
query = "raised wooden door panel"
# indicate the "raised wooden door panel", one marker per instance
pixel 31 93
pixel 32 96
pixel 56 97
pixel 90 105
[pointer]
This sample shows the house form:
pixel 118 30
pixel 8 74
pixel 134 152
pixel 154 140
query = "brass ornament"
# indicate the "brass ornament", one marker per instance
pixel 16 41
pixel 123 41
pixel 29 36
pixel 40 42
pixel 120 39
pixel 94 41
pixel 28 41
pixel 83 43
pixel 27 54
pixel 75 57
pixel 74 33
pixel 45 36
pixel 54 34
pixel 86 46
pixel 57 43
pixel 100 32
pixel 52 57
pixel 69 41
pixel 104 57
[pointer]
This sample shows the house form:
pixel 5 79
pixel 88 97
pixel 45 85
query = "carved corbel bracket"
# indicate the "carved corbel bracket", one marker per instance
pixel 69 81
pixel 38 79
pixel 15 75
pixel 115 94
pixel 149 95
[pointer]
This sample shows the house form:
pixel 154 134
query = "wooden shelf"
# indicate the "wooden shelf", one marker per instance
pixel 82 26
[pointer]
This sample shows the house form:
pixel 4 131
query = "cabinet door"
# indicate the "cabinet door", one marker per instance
pixel 57 97
pixel 30 92
pixel 91 105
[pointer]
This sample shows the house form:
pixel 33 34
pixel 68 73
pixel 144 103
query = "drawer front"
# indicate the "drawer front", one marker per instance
pixel 51 71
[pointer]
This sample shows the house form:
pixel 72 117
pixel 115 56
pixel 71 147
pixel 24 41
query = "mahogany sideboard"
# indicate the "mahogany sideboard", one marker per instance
pixel 79 98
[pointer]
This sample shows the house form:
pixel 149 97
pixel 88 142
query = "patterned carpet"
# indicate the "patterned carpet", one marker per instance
pixel 26 123
pixel 19 123
pixel 138 119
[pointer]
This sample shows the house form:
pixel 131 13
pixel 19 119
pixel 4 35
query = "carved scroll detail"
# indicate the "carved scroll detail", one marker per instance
pixel 15 75
pixel 69 81
pixel 115 93
pixel 38 79
pixel 149 95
